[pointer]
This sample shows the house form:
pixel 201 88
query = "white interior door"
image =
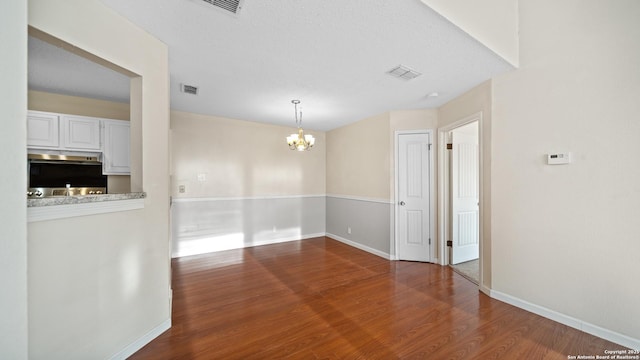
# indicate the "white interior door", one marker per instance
pixel 464 194
pixel 413 201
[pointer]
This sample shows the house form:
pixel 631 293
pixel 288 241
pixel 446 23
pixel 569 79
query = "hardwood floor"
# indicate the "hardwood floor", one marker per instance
pixel 321 299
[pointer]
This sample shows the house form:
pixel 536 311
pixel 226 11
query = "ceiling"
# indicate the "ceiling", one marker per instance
pixel 332 55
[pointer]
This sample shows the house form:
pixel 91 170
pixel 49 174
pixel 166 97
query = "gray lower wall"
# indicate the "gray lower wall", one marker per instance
pixel 370 222
pixel 205 225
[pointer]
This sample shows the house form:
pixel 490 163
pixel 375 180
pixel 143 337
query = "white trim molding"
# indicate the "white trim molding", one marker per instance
pixel 567 320
pixel 361 198
pixel 142 341
pixel 276 197
pixel 485 289
pixel 53 212
pixel 266 197
pixel 368 249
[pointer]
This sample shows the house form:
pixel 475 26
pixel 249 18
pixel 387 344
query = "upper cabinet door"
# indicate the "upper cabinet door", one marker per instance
pixel 80 132
pixel 117 155
pixel 42 130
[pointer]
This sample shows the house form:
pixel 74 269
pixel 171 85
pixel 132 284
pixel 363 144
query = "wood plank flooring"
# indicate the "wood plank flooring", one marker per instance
pixel 321 299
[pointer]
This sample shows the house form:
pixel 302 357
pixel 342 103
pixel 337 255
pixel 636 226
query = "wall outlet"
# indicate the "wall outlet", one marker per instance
pixel 181 189
pixel 202 177
pixel 349 230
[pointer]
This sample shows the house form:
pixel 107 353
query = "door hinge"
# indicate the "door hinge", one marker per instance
pixel 429 241
pixel 449 243
pixel 429 147
pixel 449 146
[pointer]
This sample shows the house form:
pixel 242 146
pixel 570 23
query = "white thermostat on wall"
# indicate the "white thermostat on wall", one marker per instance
pixel 558 159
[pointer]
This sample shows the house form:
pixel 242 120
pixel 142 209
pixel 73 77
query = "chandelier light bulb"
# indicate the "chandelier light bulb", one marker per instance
pixel 299 141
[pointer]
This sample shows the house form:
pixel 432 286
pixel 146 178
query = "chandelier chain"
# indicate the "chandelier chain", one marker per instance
pixel 298 121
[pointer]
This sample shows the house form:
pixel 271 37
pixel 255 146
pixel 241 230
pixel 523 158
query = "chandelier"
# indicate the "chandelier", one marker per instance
pixel 299 141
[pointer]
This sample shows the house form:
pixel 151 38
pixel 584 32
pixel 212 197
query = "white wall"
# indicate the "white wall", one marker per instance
pixel 243 186
pixel 241 159
pixel 358 159
pixel 66 104
pixel 98 284
pixel 13 232
pixel 494 23
pixel 565 238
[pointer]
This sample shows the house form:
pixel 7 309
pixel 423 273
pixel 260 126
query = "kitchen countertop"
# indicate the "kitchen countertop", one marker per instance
pixel 67 200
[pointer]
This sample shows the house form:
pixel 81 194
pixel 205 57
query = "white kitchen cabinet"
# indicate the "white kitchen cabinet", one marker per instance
pixel 80 132
pixel 62 132
pixel 117 155
pixel 43 130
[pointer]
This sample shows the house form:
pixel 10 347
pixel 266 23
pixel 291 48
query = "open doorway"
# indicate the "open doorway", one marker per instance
pixel 460 196
pixel 82 98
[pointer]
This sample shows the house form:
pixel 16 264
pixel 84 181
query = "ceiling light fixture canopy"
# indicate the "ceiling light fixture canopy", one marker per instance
pixel 299 141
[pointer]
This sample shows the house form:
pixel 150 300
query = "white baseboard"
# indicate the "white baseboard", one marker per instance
pixel 266 197
pixel 565 319
pixel 141 342
pixel 485 290
pixel 368 249
pixel 285 239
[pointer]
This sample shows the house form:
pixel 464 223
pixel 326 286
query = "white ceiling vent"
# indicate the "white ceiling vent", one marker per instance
pixel 189 89
pixel 232 6
pixel 403 72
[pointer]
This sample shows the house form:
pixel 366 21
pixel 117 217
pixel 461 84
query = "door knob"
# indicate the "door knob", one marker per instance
pixel 402 203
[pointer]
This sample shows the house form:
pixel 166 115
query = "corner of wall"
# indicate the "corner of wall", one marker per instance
pixel 494 23
pixel 109 36
pixel 13 209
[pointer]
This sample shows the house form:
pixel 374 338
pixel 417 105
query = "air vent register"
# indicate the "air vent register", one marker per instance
pixel 232 6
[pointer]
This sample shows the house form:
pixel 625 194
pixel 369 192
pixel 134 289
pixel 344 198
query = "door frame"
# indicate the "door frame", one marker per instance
pixel 442 188
pixel 432 222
